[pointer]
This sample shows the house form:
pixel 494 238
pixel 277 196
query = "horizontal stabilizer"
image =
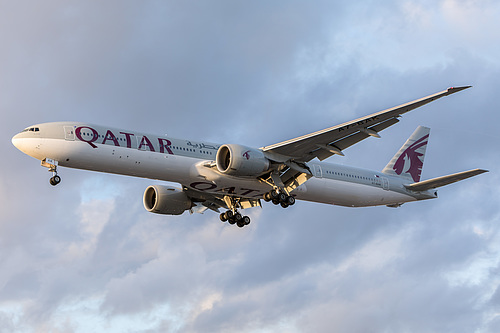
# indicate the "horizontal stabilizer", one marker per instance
pixel 444 180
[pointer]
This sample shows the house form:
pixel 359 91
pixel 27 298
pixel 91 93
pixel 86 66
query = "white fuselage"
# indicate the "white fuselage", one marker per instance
pixel 103 149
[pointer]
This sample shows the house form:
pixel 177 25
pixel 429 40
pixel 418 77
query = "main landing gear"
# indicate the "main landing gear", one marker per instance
pixel 232 215
pixel 235 217
pixel 279 198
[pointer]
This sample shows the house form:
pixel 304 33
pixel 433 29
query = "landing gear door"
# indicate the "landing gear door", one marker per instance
pixel 69 133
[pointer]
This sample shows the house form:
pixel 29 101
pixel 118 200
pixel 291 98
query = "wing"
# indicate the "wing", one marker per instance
pixel 334 140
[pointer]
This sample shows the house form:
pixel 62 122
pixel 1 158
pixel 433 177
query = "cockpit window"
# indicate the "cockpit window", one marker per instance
pixel 31 129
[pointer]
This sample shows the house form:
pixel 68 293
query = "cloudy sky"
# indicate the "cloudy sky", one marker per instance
pixel 85 256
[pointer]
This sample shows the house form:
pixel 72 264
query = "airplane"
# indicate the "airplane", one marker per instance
pixel 233 177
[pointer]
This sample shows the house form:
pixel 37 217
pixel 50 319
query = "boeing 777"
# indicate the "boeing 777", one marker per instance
pixel 233 177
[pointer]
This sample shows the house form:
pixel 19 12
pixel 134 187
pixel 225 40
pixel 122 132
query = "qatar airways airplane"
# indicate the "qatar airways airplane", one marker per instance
pixel 233 177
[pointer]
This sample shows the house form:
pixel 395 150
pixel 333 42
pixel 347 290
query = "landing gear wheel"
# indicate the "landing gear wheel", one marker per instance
pixel 279 198
pixel 237 217
pixel 227 216
pixel 230 217
pixel 55 180
pixel 246 220
pixel 223 217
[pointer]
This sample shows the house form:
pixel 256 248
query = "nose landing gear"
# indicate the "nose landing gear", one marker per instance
pixel 52 166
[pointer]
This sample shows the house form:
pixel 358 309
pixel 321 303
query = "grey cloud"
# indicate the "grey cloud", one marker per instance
pixel 254 74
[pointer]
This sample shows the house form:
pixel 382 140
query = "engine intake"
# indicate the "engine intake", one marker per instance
pixel 237 160
pixel 166 200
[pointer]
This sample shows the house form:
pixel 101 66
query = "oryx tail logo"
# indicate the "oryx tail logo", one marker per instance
pixel 247 154
pixel 411 156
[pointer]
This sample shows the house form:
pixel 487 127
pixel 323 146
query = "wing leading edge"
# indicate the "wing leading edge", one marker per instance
pixel 325 143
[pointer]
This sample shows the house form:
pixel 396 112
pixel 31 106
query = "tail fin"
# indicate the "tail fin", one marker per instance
pixel 409 160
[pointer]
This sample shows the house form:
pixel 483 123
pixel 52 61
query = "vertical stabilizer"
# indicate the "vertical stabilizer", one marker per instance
pixel 409 160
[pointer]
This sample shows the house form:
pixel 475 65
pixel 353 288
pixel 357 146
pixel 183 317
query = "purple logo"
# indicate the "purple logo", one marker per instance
pixel 412 156
pixel 247 154
pixel 164 144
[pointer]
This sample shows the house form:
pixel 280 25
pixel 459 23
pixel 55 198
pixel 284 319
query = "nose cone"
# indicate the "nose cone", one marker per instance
pixel 24 144
pixel 17 141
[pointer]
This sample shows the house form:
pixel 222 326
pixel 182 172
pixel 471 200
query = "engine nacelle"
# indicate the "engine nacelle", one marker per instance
pixel 239 160
pixel 166 200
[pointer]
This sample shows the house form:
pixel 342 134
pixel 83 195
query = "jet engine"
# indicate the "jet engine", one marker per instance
pixel 237 160
pixel 166 200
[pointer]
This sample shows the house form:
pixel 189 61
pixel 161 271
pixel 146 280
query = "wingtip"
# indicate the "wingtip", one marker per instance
pixel 452 90
pixel 478 171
